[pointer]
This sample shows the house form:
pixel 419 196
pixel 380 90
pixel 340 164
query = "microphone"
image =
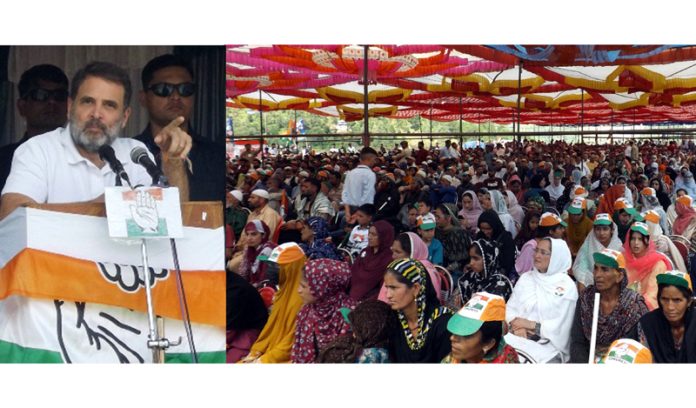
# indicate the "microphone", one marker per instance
pixel 139 155
pixel 106 153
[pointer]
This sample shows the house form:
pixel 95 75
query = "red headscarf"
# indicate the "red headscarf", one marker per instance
pixel 684 216
pixel 613 193
pixel 369 267
pixel 319 323
pixel 641 267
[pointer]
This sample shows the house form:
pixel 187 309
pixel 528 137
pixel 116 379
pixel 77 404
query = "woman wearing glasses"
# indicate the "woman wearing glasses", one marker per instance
pixel 541 308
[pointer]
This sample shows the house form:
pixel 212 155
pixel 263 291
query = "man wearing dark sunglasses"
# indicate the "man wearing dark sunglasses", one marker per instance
pixel 43 103
pixel 169 92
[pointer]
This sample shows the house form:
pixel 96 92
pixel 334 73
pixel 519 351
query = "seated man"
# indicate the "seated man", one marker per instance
pixel 64 166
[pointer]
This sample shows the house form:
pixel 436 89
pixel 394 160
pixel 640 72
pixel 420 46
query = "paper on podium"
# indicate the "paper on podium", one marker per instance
pixel 143 213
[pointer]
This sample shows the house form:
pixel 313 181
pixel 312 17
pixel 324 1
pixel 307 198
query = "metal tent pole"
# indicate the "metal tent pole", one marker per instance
pixel 366 121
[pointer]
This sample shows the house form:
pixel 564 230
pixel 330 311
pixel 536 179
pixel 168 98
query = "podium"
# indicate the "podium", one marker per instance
pixel 71 294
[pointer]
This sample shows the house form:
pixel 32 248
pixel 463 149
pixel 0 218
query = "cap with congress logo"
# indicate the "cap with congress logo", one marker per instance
pixel 284 254
pixel 640 227
pixel 651 216
pixel 610 258
pixel 482 307
pixel 648 191
pixel 603 219
pixel 426 222
pixel 577 206
pixel 686 200
pixel 628 351
pixel 676 278
pixel 550 219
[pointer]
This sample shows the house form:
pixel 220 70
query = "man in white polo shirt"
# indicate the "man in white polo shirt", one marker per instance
pixel 63 166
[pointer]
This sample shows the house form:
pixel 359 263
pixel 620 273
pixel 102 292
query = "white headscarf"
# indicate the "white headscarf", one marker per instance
pixel 514 208
pixel 548 298
pixel 665 245
pixel 499 206
pixel 584 262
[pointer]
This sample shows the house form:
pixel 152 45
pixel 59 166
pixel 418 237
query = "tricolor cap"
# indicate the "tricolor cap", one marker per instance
pixel 686 200
pixel 651 216
pixel 640 227
pixel 676 278
pixel 261 193
pixel 482 307
pixel 284 254
pixel 426 222
pixel 550 219
pixel 628 351
pixel 580 191
pixel 648 191
pixel 577 206
pixel 603 219
pixel 610 258
pixel 622 204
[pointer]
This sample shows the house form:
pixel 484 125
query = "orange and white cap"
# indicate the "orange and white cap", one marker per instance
pixel 482 307
pixel 648 191
pixel 628 351
pixel 550 219
pixel 686 200
pixel 286 253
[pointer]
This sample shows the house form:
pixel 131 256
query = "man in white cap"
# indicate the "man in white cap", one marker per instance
pixel 235 215
pixel 258 201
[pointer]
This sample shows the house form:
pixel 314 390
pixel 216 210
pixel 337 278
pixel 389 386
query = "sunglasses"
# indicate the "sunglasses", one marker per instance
pixel 43 95
pixel 164 89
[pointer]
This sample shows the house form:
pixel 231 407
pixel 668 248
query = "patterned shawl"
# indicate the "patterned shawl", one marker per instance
pixel 321 322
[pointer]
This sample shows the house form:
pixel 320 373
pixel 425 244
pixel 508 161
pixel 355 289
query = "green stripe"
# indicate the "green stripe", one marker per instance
pixel 212 357
pixel 14 353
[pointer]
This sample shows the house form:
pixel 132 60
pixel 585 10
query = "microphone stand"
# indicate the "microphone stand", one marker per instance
pixel 164 183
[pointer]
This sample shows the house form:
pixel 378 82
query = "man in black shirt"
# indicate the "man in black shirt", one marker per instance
pixel 43 103
pixel 168 92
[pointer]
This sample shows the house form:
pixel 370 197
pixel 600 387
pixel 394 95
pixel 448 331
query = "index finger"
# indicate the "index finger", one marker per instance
pixel 174 123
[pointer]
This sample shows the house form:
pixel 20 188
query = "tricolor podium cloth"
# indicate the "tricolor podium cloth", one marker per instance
pixel 69 293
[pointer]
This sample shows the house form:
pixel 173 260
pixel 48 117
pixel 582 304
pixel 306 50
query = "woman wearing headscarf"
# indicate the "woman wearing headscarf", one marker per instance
pixel 367 272
pixel 246 316
pixel 454 239
pixel 619 310
pixel 314 232
pixel 323 291
pixel 258 246
pixel 643 263
pixel 685 223
pixel 514 207
pixel 471 210
pixel 579 225
pixel 650 202
pixel 482 274
pixel 277 337
pixel 662 242
pixel 372 323
pixel 670 330
pixel 422 335
pixel 410 245
pixel 607 200
pixel 661 192
pixel 491 229
pixel 685 180
pixel 499 206
pixel 477 332
pixel 541 308
pixel 604 235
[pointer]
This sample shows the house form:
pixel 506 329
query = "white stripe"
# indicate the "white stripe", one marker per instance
pixel 35 323
pixel 87 237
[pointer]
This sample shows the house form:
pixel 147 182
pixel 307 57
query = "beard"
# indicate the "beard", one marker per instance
pixel 92 143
